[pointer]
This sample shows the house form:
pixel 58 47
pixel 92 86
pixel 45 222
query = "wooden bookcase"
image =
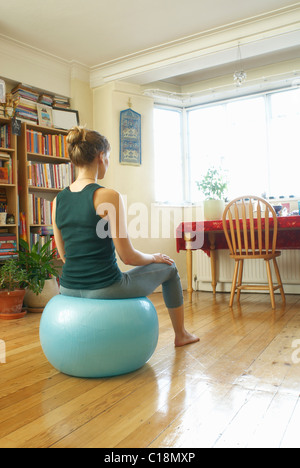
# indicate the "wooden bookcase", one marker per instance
pixel 32 153
pixel 11 189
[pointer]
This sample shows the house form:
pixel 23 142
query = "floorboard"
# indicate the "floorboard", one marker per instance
pixel 238 387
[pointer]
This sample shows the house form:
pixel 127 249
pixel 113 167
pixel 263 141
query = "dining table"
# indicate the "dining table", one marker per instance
pixel 209 237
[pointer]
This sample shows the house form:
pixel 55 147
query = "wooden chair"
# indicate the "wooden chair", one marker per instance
pixel 251 237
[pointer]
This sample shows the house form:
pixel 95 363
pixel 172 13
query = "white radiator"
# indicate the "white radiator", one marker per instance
pixel 254 271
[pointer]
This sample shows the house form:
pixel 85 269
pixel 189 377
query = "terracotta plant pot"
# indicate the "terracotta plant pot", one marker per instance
pixel 11 303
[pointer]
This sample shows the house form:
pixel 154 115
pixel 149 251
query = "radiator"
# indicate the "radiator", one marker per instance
pixel 254 271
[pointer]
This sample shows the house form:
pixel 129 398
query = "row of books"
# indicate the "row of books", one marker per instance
pixel 5 136
pixel 40 210
pixel 57 176
pixel 48 145
pixel 42 240
pixel 6 170
pixel 29 93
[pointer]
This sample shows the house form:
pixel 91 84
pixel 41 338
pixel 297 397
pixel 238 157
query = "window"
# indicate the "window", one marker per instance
pixel 255 139
pixel 231 136
pixel 168 155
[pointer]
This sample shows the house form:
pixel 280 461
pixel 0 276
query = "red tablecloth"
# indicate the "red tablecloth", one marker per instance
pixel 288 234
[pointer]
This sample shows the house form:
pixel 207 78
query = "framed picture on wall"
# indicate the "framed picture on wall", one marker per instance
pixel 65 119
pixel 130 138
pixel 2 91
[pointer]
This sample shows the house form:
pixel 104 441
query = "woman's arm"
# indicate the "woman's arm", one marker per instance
pixel 57 235
pixel 109 205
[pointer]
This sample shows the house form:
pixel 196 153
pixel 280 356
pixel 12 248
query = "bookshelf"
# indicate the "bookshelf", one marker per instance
pixel 44 170
pixel 8 185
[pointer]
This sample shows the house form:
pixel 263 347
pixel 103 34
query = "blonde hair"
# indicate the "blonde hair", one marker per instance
pixel 84 145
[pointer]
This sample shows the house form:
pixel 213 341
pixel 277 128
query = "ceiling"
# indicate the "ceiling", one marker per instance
pixel 100 32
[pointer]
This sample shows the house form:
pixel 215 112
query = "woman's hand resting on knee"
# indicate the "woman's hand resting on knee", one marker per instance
pixel 162 258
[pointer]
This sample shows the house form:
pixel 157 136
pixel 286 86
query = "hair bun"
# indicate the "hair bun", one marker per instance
pixel 76 135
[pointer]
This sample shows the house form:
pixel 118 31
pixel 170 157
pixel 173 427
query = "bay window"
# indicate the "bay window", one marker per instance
pixel 254 139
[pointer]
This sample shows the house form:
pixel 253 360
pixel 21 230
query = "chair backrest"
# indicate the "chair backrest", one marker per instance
pixel 250 226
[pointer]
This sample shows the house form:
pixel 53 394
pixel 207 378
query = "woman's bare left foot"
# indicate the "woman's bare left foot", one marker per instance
pixel 185 339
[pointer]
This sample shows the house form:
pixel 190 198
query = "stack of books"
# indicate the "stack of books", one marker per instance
pixel 61 102
pixel 5 136
pixel 8 246
pixel 26 99
pixel 5 168
pixel 46 99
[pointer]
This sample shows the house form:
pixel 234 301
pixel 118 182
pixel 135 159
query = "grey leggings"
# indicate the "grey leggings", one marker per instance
pixel 139 282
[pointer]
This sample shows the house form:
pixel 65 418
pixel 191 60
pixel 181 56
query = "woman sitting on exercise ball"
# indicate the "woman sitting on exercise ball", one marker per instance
pixel 90 267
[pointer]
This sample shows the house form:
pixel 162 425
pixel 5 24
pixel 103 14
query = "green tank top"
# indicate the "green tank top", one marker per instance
pixel 90 260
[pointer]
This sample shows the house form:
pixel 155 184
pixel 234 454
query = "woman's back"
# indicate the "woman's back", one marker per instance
pixel 90 261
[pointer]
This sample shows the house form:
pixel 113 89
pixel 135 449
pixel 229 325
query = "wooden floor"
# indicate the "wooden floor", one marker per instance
pixel 238 388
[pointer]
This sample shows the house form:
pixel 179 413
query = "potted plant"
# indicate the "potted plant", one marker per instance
pixel 42 273
pixel 13 281
pixel 213 186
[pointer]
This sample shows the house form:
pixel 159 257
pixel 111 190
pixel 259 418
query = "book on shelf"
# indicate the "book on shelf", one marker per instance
pixel 40 210
pixel 55 176
pixel 47 144
pixel 8 245
pixel 6 163
pixel 4 175
pixel 22 226
pixel 5 136
pixel 3 200
pixel 8 257
pixel 46 99
pixel 61 102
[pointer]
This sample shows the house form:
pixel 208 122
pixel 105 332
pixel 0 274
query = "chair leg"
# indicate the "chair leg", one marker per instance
pixel 271 287
pixel 240 279
pixel 233 287
pixel 279 280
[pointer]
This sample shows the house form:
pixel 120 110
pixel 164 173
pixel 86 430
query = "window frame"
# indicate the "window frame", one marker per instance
pixel 185 150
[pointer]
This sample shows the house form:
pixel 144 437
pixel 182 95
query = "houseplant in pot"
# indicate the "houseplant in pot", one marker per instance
pixel 13 281
pixel 213 186
pixel 41 272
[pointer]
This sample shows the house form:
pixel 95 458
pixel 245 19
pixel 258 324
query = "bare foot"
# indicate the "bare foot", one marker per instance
pixel 185 339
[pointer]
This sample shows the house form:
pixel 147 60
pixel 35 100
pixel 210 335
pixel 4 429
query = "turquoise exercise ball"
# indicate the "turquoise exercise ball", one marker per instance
pixel 93 338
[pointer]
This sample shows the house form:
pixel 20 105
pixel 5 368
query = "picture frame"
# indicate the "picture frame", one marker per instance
pixel 45 117
pixel 130 138
pixel 65 119
pixel 2 92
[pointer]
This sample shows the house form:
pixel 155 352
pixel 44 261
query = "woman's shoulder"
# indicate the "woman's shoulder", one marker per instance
pixel 106 195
